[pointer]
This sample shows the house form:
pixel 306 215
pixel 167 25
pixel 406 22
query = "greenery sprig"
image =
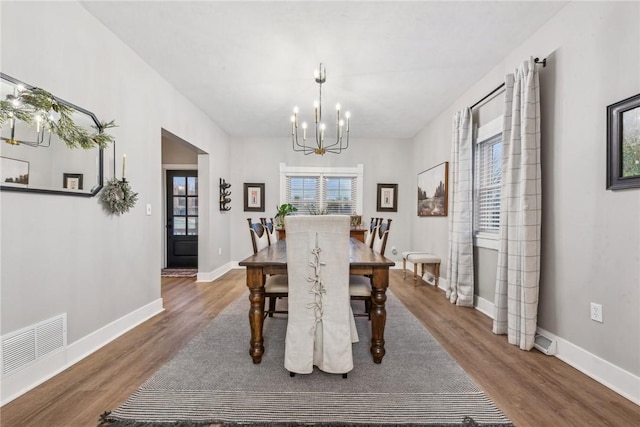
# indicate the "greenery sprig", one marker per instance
pixel 118 197
pixel 35 104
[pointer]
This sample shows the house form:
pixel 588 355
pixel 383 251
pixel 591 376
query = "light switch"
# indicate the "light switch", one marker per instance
pixel 148 209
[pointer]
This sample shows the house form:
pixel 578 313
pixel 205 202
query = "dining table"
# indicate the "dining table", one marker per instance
pixel 273 260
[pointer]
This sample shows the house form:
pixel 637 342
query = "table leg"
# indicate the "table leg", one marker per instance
pixel 379 284
pixel 255 283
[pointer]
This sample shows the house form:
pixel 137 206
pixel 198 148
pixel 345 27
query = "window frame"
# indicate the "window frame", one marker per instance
pixel 484 134
pixel 356 172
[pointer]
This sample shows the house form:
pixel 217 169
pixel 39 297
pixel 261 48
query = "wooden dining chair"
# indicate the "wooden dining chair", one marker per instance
pixel 360 286
pixel 373 227
pixel 271 230
pixel 320 328
pixel 275 286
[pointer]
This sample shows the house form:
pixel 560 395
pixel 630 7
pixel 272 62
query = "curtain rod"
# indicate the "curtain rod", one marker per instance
pixel 536 61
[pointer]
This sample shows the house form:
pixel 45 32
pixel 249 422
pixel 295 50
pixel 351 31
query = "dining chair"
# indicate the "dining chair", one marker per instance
pixel 320 328
pixel 360 286
pixel 275 286
pixel 373 226
pixel 271 230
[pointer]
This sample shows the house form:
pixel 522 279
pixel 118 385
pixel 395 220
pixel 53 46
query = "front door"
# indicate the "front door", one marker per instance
pixel 182 218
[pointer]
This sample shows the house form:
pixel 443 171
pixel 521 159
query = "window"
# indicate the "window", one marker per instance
pixel 487 182
pixel 316 190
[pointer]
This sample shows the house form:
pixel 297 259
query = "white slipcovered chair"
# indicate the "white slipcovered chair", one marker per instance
pixel 321 327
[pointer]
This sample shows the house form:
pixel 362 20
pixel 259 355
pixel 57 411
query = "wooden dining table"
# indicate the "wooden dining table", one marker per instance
pixel 273 260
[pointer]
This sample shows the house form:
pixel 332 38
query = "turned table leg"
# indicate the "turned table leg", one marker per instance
pixel 379 283
pixel 255 283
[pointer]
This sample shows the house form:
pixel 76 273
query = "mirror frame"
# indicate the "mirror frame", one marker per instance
pixel 100 171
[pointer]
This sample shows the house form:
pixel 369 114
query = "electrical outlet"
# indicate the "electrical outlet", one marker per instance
pixel 148 208
pixel 596 312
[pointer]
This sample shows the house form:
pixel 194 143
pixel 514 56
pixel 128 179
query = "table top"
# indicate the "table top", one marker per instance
pixel 276 255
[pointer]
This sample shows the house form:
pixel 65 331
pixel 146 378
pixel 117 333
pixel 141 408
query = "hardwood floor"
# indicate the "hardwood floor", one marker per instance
pixel 531 388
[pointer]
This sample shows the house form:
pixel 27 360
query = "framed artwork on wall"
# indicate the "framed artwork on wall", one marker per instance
pixel 433 191
pixel 253 197
pixel 623 144
pixel 387 200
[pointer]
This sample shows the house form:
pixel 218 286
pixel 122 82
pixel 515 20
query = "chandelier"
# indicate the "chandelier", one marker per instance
pixel 341 141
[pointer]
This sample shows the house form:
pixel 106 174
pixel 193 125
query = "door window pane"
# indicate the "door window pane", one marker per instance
pixel 179 225
pixel 193 226
pixel 192 186
pixel 179 185
pixel 192 206
pixel 179 206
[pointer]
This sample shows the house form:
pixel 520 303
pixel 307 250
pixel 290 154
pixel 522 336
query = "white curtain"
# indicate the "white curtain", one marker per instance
pixel 460 264
pixel 517 281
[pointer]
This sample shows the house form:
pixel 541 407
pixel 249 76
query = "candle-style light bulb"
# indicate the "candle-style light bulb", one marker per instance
pixel 322 128
pixel 316 104
pixel 304 131
pixel 293 125
pixel 341 126
pixel 348 116
pixel 124 162
pixel 295 114
pixel 338 112
pixel 38 121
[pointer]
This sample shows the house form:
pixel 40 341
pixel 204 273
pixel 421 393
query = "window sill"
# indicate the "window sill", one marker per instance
pixel 486 240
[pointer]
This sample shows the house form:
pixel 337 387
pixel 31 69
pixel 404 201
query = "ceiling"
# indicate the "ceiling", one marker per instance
pixel 393 65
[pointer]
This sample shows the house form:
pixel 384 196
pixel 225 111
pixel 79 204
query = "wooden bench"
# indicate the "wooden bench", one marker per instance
pixel 423 259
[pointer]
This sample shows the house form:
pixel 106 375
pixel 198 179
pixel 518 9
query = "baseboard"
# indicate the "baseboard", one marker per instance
pixel 611 376
pixel 483 306
pixel 218 272
pixel 17 384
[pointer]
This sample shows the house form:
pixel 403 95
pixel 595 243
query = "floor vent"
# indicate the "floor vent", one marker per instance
pixel 545 345
pixel 23 347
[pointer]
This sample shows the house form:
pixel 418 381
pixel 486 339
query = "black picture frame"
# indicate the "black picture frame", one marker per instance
pixel 623 144
pixel 387 199
pixel 254 197
pixel 72 181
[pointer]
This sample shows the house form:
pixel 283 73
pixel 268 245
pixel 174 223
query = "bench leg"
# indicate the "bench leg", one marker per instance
pixel 404 268
pixel 437 273
pixel 415 274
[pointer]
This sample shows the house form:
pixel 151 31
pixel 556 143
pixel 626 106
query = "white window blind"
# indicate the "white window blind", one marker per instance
pixel 318 190
pixel 303 192
pixel 487 180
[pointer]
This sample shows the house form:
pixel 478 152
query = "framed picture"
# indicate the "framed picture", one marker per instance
pixel 356 220
pixel 15 173
pixel 433 191
pixel 254 197
pixel 72 181
pixel 387 198
pixel 623 144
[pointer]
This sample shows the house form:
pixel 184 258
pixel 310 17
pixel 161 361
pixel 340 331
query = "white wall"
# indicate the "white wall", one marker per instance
pixel 591 236
pixel 63 254
pixel 385 161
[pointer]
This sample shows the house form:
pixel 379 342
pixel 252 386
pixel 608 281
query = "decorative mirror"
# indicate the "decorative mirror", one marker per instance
pixel 34 159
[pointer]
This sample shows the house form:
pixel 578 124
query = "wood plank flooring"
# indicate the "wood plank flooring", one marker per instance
pixel 531 388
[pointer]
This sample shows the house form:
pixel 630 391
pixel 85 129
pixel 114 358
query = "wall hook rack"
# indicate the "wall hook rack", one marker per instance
pixel 224 195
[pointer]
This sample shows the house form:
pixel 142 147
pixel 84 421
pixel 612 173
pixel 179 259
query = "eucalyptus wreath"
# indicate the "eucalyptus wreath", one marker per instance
pixel 35 104
pixel 118 197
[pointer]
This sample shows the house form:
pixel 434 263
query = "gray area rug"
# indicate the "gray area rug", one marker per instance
pixel 213 380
